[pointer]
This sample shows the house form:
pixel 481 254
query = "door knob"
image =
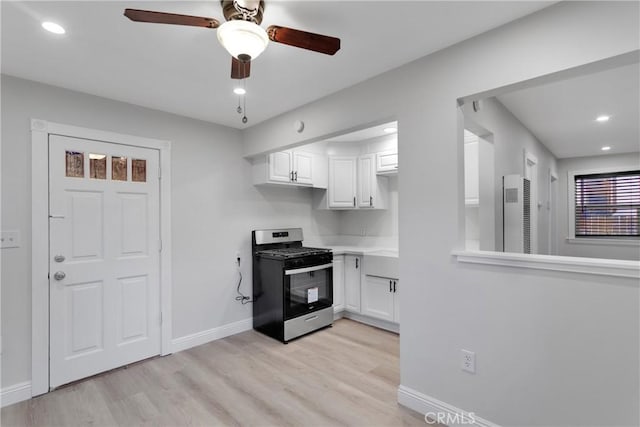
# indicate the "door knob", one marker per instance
pixel 59 275
pixel 59 258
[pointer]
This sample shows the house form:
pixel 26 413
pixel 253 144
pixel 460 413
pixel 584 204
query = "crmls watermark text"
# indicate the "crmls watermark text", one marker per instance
pixel 449 418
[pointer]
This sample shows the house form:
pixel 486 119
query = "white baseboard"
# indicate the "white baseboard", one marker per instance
pixel 452 416
pixel 372 321
pixel 15 393
pixel 199 338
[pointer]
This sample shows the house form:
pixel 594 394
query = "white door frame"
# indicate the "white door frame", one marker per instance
pixel 40 131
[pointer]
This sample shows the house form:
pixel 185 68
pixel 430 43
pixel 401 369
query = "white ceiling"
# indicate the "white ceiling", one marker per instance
pixel 562 114
pixel 184 70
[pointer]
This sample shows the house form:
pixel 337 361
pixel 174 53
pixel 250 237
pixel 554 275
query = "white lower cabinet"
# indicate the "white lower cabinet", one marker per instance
pixel 380 298
pixel 352 275
pixel 338 283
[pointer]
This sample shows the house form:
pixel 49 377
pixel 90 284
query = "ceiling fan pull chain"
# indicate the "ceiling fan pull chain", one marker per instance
pixel 244 118
pixel 244 98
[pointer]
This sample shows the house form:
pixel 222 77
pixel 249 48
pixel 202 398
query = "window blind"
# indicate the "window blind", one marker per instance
pixel 608 204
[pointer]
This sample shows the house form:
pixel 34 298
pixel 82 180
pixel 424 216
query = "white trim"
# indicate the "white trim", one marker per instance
pixel 372 321
pixel 605 242
pixel 571 192
pixel 15 393
pixel 199 338
pixel 40 131
pixel 597 266
pixel 424 404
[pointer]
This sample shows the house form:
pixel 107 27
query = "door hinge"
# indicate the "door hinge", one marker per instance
pixel 160 245
pixel 159 173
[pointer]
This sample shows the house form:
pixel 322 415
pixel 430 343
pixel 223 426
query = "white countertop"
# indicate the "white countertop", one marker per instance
pixel 361 250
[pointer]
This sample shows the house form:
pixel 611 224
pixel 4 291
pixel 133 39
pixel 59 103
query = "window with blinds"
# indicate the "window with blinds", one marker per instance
pixel 608 204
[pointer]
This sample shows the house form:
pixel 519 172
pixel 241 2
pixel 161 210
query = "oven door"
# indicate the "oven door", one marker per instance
pixel 308 289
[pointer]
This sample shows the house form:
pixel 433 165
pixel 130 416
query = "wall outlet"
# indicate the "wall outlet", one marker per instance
pixel 468 361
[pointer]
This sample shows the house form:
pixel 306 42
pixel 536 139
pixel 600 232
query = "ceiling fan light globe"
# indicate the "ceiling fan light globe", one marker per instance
pixel 243 38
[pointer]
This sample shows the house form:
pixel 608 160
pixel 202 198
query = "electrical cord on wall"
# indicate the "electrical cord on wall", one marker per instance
pixel 244 299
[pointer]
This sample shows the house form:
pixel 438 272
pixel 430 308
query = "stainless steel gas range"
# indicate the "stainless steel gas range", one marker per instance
pixel 292 284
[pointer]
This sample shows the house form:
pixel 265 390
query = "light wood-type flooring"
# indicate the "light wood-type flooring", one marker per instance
pixel 344 375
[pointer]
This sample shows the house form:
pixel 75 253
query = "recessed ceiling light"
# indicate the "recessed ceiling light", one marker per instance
pixel 239 91
pixel 603 118
pixel 52 27
pixel 390 130
pixel 606 148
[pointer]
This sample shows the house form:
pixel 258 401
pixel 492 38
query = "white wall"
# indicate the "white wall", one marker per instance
pixel 510 139
pixel 576 248
pixel 214 206
pixel 526 326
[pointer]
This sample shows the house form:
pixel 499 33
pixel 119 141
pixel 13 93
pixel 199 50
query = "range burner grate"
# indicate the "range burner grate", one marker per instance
pixel 292 252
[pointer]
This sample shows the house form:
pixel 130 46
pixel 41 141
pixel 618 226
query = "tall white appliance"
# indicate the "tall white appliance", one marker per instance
pixel 516 217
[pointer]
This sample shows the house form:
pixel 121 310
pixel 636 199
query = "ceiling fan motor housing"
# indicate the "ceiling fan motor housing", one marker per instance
pixel 245 10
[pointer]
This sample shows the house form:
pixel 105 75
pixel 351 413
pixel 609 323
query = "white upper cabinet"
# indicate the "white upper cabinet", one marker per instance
pixel 353 184
pixel 302 167
pixel 366 181
pixel 280 166
pixel 291 167
pixel 372 189
pixel 387 162
pixel 342 182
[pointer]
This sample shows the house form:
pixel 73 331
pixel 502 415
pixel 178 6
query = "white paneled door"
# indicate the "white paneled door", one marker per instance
pixel 104 210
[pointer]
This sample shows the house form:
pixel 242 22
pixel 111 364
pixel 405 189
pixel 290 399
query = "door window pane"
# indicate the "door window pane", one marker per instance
pixel 97 166
pixel 138 170
pixel 119 168
pixel 74 164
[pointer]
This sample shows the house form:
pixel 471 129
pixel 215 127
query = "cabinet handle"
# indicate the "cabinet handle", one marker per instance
pixel 356 262
pixel 394 286
pixel 370 200
pixel 390 286
pixel 354 202
pixel 296 176
pixel 291 173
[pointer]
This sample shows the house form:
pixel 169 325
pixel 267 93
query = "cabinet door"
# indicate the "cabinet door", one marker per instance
pixel 377 297
pixel 342 182
pixel 387 162
pixel 396 301
pixel 338 283
pixel 302 167
pixel 280 166
pixel 352 269
pixel 366 181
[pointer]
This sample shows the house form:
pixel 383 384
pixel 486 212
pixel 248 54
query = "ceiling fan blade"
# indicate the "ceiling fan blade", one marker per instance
pixel 302 39
pixel 239 69
pixel 170 18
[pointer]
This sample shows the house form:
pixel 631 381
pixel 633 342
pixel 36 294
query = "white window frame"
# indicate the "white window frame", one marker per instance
pixel 571 208
pixel 40 131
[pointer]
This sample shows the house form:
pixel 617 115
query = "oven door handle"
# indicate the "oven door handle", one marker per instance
pixel 308 269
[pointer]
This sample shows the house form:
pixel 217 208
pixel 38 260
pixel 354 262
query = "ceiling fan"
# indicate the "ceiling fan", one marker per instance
pixel 241 34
